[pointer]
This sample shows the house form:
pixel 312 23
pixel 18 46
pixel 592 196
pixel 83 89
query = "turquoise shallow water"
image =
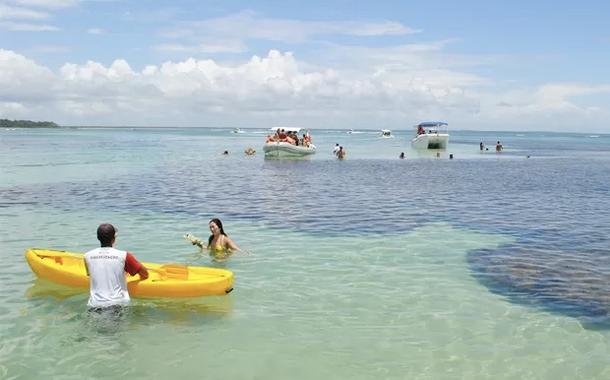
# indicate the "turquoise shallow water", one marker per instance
pixel 479 267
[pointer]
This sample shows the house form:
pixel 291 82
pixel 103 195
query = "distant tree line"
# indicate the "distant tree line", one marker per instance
pixel 6 123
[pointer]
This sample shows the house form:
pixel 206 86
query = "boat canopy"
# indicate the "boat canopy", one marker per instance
pixel 287 129
pixel 429 124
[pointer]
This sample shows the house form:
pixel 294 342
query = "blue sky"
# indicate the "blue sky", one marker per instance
pixel 516 65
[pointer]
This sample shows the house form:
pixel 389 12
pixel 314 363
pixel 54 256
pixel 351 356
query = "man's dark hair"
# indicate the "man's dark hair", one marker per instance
pixel 105 234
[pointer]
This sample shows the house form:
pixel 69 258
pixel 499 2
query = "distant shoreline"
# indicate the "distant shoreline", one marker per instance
pixel 6 123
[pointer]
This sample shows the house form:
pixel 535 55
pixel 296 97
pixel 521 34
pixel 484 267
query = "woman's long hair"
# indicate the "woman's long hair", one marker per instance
pixel 217 222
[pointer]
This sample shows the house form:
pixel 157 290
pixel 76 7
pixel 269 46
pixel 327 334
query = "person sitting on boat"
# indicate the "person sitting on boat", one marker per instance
pixel 306 139
pixel 281 135
pixel 290 139
pixel 106 267
pixel 421 130
pixel 270 139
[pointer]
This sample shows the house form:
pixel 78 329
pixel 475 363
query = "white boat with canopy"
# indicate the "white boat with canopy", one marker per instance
pixel 289 142
pixel 386 134
pixel 431 135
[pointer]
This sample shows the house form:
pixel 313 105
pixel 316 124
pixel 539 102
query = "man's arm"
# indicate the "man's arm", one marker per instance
pixel 133 267
pixel 143 272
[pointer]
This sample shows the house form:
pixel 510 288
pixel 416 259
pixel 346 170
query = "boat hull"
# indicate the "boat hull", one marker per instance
pixel 284 149
pixel 431 141
pixel 68 269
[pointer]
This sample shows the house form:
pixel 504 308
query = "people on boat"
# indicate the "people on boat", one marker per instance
pixel 499 146
pixel 402 155
pixel 336 149
pixel 306 139
pixel 341 153
pixel 421 130
pixel 291 138
pixel 250 151
pixel 106 268
pixel 219 244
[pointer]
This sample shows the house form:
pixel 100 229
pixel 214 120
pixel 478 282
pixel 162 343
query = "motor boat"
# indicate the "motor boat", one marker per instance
pixel 431 135
pixel 280 146
pixel 386 134
pixel 238 130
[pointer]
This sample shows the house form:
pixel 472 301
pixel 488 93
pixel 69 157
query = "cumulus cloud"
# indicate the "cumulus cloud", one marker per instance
pixel 275 87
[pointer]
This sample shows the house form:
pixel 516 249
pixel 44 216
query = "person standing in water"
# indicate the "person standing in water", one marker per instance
pixel 106 267
pixel 499 147
pixel 341 153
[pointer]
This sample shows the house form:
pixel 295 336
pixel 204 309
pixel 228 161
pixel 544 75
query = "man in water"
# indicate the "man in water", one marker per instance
pixel 106 267
pixel 341 153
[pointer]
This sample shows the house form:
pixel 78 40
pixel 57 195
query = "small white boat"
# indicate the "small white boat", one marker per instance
pixel 431 135
pixel 350 131
pixel 238 130
pixel 386 134
pixel 279 149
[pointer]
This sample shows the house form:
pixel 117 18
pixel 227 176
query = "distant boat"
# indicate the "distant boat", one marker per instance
pixel 350 131
pixel 431 135
pixel 238 130
pixel 386 134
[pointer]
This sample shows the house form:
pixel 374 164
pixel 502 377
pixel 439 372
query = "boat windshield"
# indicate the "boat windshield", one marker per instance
pixel 432 127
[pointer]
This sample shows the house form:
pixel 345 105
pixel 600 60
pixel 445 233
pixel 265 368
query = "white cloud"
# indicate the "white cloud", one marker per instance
pixel 8 12
pixel 217 46
pixel 247 25
pixel 52 4
pixel 49 49
pixel 277 88
pixel 25 27
pixel 95 31
pixel 22 80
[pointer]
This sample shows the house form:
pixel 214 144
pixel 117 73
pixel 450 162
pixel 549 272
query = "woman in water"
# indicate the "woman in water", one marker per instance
pixel 219 244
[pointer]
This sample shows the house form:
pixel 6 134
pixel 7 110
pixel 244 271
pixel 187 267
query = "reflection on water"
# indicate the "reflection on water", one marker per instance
pixel 44 288
pixel 150 310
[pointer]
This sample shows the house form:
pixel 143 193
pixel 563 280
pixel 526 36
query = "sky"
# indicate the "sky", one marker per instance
pixel 483 65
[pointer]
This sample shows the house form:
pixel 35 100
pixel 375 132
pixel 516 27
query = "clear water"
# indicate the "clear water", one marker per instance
pixel 485 266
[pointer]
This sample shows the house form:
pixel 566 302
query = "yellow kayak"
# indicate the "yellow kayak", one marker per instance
pixel 168 280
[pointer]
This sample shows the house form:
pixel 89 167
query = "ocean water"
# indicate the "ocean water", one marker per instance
pixel 484 266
